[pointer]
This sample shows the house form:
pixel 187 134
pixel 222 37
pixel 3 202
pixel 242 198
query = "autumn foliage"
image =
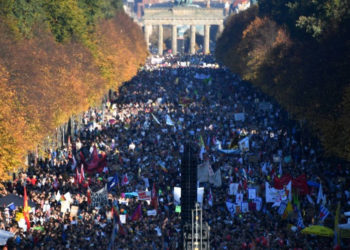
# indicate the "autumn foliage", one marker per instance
pixel 299 53
pixel 43 81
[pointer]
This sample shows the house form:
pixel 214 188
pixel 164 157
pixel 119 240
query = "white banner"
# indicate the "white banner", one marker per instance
pixel 233 189
pixel 216 179
pixel 275 195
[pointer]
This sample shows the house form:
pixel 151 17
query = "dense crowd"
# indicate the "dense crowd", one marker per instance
pixel 142 131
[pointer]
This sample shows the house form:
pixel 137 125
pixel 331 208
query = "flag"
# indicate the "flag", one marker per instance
pixel 169 121
pixel 320 194
pixel 310 199
pixel 323 213
pixel 74 163
pixel 155 118
pixel 82 174
pixel 210 198
pixel 280 169
pixel 300 222
pixel 154 198
pixel 336 227
pixel 26 208
pixel 114 233
pixel 88 195
pixel 137 213
pixel 288 210
pixel 112 183
pixel 125 180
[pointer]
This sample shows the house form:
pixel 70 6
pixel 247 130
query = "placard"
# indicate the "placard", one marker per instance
pixel 239 198
pixel 122 218
pixel 74 211
pixel 151 212
pixel 251 193
pixel 233 189
pixel 144 195
pixel 245 208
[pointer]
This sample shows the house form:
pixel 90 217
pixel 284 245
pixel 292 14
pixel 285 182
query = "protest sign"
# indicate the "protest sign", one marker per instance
pixel 251 193
pixel 177 195
pixel 65 206
pixel 239 198
pixel 231 207
pixel 233 189
pixel 200 193
pixel 122 218
pixel 245 208
pixel 144 195
pixel 178 209
pixel 151 212
pixel 258 202
pixel 74 211
pixel 99 198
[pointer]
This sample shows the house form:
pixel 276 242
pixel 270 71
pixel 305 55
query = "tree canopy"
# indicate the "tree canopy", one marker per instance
pixel 297 51
pixel 57 58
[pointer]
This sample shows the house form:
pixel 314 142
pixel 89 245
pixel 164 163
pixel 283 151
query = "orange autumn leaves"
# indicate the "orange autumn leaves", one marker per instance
pixel 43 82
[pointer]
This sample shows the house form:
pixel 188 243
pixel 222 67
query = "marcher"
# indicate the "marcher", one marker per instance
pixel 135 143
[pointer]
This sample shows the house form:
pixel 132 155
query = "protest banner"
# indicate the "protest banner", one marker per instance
pixel 99 198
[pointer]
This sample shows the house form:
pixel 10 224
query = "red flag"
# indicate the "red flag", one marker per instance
pixel 137 214
pixel 154 198
pixel 125 180
pixel 26 208
pixel 82 174
pixel 77 179
pixel 88 196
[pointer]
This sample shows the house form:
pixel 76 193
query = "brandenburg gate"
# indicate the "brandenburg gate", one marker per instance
pixel 178 16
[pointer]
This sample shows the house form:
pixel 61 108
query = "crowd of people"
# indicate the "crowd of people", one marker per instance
pixel 135 143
